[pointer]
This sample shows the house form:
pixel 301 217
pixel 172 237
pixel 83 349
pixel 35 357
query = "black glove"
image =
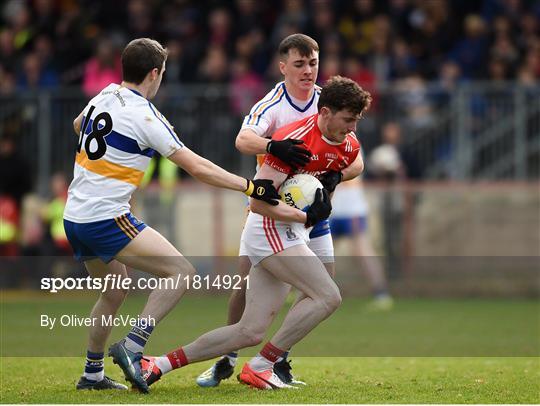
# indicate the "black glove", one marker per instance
pixel 320 209
pixel 289 153
pixel 330 180
pixel 262 189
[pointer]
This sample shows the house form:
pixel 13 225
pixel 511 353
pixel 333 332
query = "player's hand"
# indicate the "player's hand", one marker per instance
pixel 262 189
pixel 320 209
pixel 331 179
pixel 289 152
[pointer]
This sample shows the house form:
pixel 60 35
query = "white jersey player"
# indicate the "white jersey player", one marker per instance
pixel 121 130
pixel 349 220
pixel 118 132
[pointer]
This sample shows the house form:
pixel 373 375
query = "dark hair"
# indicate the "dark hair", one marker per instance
pixel 341 93
pixel 139 57
pixel 302 43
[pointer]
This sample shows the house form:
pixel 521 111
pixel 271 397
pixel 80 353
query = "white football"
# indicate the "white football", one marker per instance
pixel 299 190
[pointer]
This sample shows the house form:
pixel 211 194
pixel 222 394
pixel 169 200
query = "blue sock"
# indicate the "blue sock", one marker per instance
pixel 138 336
pixel 93 369
pixel 285 355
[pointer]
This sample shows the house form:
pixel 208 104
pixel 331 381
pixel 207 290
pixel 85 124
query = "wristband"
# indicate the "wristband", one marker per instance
pixel 250 187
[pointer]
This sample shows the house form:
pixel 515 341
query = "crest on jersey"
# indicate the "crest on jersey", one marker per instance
pixel 291 235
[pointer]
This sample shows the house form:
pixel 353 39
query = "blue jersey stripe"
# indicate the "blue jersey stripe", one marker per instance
pixel 264 100
pixel 295 106
pixel 271 105
pixel 166 126
pixel 126 144
pixel 122 142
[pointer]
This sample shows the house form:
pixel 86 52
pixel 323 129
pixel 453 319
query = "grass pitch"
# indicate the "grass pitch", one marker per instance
pixel 424 351
pixel 331 380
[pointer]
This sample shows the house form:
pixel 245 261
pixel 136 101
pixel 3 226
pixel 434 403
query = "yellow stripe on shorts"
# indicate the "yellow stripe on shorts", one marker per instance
pixel 122 227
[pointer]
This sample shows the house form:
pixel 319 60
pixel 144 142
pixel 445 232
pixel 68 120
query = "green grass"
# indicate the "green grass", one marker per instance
pixel 332 380
pixel 424 351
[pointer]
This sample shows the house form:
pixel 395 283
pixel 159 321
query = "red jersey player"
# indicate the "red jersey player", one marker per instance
pixel 327 155
pixel 280 256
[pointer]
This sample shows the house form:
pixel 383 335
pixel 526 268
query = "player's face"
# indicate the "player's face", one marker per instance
pixel 339 124
pixel 154 86
pixel 300 71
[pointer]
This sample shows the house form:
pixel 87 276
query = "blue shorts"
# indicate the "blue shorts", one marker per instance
pixel 320 229
pixel 102 239
pixel 346 227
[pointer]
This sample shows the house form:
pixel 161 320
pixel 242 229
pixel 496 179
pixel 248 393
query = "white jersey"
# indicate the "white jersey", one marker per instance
pixel 349 200
pixel 120 132
pixel 278 109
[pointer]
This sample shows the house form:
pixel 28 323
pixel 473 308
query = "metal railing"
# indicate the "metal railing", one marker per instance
pixel 470 132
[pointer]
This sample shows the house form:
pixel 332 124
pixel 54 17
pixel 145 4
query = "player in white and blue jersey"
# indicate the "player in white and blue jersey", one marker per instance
pixel 349 221
pixel 119 130
pixel 291 100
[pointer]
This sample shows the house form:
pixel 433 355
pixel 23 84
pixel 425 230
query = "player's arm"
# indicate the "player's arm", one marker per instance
pixel 249 143
pixel 77 123
pixel 354 169
pixel 319 210
pixel 282 211
pixel 332 178
pixel 289 151
pixel 206 171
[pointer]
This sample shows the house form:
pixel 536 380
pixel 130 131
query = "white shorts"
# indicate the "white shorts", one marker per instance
pixel 263 237
pixel 323 247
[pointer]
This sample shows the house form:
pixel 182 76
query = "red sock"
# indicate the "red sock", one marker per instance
pixel 177 358
pixel 271 353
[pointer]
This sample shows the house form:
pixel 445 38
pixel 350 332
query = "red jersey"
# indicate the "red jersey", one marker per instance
pixel 327 155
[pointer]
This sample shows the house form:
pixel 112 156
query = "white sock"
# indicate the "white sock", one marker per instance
pixel 232 358
pixel 259 363
pixel 163 364
pixel 133 346
pixel 95 376
pixel 93 367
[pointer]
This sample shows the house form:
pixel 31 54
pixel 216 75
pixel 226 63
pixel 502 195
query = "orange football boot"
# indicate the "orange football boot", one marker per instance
pixel 265 380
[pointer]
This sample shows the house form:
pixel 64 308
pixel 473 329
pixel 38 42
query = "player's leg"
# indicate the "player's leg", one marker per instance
pixel 362 249
pixel 237 301
pixel 330 268
pixel 264 298
pixel 149 252
pixel 303 270
pixel 322 245
pixel 299 267
pixel 107 305
pixel 224 367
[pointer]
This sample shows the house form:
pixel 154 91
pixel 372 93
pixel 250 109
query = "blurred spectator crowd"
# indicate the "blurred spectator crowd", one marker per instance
pixel 49 43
